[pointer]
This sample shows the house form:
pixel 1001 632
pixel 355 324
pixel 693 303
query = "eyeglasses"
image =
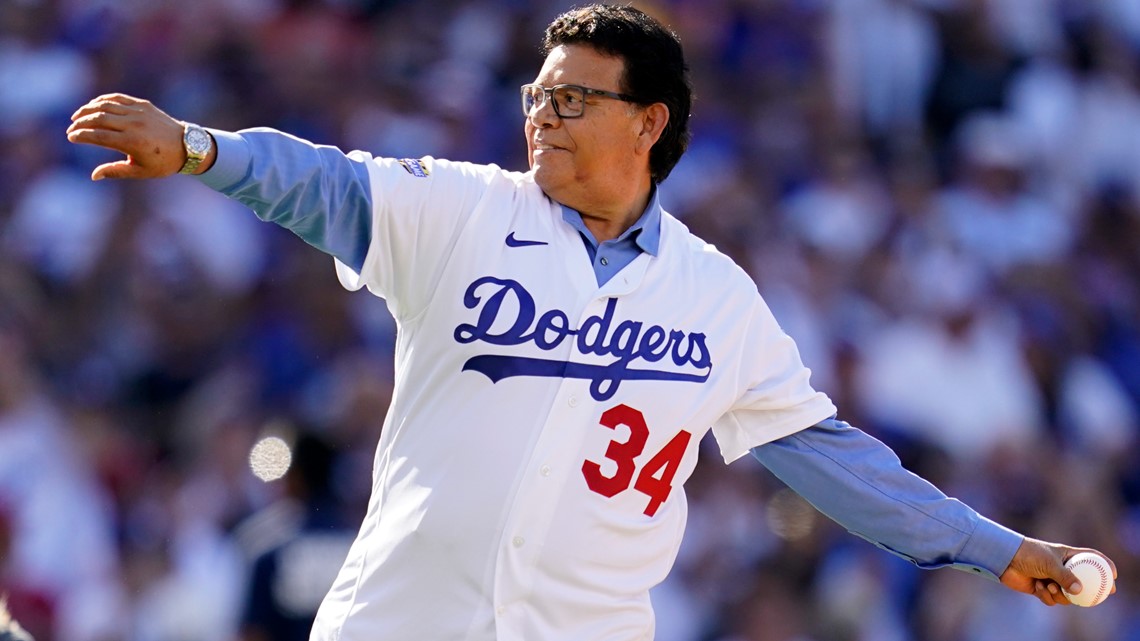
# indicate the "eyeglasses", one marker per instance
pixel 569 100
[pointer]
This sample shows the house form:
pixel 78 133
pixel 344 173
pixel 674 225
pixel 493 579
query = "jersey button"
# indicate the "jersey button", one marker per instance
pixel 500 610
pixel 572 401
pixel 605 261
pixel 518 541
pixel 544 470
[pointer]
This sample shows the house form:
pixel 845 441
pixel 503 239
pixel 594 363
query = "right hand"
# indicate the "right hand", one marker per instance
pixel 151 140
pixel 1038 568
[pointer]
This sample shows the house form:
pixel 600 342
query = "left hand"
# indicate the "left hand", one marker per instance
pixel 1039 569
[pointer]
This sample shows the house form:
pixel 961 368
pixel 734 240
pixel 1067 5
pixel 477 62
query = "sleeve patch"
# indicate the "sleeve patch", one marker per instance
pixel 416 167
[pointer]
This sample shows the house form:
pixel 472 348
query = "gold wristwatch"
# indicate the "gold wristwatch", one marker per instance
pixel 198 143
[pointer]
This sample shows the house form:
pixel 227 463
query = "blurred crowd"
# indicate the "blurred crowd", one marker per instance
pixel 940 200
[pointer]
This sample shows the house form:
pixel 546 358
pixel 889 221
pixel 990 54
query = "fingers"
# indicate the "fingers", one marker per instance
pixel 111 139
pixel 1104 556
pixel 1068 578
pixel 117 112
pixel 1057 574
pixel 120 169
pixel 103 106
pixel 114 104
pixel 1049 593
pixel 100 120
pixel 123 99
pixel 143 160
pixel 120 99
pixel 95 122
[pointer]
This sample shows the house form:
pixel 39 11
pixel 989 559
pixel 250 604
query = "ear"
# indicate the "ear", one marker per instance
pixel 653 120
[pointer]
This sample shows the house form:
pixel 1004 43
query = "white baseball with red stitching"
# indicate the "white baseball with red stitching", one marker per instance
pixel 1095 575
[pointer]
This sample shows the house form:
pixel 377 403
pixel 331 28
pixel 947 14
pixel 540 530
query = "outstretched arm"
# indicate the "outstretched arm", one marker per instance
pixel 315 191
pixel 860 483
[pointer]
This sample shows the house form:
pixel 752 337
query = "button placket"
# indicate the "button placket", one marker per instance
pixel 535 504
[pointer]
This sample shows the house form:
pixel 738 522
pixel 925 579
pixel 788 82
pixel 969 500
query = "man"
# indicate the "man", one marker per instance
pixel 563 346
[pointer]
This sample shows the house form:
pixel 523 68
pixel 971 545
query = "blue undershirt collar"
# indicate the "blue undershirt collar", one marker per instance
pixel 611 256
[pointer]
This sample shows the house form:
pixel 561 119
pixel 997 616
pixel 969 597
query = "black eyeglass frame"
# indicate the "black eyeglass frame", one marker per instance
pixel 548 95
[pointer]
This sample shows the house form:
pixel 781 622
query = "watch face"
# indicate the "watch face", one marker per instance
pixel 197 141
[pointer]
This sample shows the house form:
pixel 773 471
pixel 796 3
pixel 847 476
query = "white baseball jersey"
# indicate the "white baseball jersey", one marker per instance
pixel 528 480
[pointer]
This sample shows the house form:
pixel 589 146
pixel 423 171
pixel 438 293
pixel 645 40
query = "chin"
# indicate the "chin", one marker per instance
pixel 547 177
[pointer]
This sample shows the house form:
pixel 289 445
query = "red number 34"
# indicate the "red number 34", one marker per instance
pixel 656 476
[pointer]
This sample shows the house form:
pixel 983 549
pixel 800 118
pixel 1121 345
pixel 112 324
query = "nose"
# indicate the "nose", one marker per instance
pixel 542 114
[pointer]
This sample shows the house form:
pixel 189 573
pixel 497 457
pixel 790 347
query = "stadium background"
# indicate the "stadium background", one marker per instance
pixel 939 199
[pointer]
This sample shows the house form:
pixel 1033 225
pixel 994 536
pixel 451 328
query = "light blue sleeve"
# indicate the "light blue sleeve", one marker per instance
pixel 316 191
pixel 860 483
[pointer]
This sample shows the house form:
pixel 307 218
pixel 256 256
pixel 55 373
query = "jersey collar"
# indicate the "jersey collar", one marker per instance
pixel 645 234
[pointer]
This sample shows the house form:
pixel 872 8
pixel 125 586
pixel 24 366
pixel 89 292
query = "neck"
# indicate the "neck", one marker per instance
pixel 607 223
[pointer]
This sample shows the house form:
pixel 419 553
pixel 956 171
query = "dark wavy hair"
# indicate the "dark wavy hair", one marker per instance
pixel 655 69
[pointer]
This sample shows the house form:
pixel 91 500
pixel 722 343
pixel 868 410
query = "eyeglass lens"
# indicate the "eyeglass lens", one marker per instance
pixel 568 100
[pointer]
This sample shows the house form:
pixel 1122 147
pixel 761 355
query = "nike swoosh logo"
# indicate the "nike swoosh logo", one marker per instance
pixel 515 242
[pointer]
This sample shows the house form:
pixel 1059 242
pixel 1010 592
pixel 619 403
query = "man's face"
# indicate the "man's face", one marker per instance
pixel 581 161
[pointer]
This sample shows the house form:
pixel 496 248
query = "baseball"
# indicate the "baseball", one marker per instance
pixel 1095 575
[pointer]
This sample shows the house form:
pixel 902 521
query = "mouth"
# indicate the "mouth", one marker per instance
pixel 540 146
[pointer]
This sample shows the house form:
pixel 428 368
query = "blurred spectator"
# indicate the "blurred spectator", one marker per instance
pixel 953 376
pixel 884 55
pixel 295 545
pixel 61 225
pixel 989 212
pixel 975 68
pixel 50 74
pixel 58 559
pixel 844 212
